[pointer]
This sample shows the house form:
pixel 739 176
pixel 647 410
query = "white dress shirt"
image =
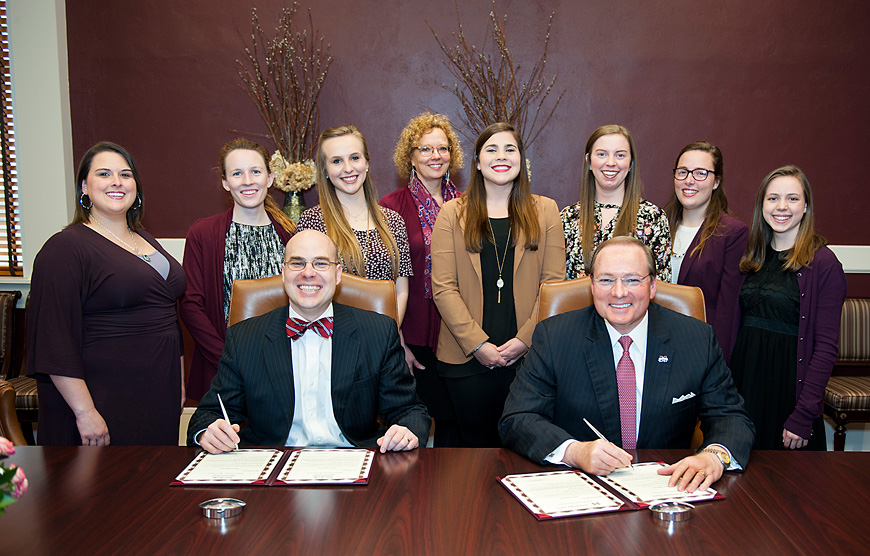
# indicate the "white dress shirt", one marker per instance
pixel 314 421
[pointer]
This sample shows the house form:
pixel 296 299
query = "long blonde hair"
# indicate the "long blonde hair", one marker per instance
pixel 337 227
pixel 626 224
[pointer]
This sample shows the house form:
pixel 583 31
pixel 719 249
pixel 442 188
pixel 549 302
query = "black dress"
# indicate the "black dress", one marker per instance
pixel 476 392
pixel 102 314
pixel 764 360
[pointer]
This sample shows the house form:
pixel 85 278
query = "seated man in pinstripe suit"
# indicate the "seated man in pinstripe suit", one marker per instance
pixel 640 373
pixel 316 373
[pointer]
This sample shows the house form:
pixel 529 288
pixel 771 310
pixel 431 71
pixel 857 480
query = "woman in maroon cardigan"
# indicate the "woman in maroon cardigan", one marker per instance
pixel 427 150
pixel 707 242
pixel 790 306
pixel 247 241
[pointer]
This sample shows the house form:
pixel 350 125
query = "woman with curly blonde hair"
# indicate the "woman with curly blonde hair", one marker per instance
pixel 427 150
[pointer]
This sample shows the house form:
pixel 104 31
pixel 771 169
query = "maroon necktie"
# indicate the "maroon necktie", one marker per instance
pixel 297 327
pixel 625 382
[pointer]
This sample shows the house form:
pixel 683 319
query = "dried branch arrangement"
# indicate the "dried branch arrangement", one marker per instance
pixel 284 76
pixel 494 92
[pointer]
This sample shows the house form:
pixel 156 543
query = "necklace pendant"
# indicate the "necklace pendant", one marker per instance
pixel 499 295
pixel 147 258
pixel 500 283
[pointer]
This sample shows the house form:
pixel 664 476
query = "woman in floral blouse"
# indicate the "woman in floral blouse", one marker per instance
pixel 610 204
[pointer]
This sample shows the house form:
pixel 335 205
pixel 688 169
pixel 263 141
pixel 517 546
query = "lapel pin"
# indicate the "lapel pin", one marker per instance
pixel 663 358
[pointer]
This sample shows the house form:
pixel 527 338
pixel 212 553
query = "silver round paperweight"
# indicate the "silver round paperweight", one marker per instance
pixel 220 508
pixel 672 511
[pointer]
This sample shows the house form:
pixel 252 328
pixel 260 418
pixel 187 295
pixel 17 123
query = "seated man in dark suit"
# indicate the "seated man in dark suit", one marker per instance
pixel 318 378
pixel 640 373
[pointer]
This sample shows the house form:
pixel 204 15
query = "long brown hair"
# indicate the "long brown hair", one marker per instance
pixel 270 205
pixel 82 214
pixel 521 206
pixel 761 234
pixel 718 200
pixel 626 223
pixel 337 226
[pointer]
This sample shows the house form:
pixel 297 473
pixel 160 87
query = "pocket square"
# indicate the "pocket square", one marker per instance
pixel 683 398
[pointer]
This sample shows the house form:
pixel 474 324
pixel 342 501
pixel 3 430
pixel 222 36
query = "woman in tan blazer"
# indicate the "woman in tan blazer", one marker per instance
pixel 491 250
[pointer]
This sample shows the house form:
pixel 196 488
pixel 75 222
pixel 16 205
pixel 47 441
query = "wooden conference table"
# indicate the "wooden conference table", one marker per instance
pixel 117 500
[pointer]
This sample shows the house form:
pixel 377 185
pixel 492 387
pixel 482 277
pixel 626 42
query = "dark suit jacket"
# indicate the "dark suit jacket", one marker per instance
pixel 369 379
pixel 717 272
pixel 569 374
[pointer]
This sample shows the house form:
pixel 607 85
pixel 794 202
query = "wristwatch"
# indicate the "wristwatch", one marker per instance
pixel 719 453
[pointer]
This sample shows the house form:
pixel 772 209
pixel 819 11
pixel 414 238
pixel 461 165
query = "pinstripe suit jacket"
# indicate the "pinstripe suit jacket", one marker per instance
pixel 369 379
pixel 569 374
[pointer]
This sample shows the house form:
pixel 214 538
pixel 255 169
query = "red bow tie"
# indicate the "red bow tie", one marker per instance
pixel 297 327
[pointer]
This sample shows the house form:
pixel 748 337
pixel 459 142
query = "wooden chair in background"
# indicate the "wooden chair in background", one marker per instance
pixel 9 426
pixel 847 396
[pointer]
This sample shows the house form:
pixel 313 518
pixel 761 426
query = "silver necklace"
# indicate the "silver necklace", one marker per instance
pixel 134 247
pixel 499 282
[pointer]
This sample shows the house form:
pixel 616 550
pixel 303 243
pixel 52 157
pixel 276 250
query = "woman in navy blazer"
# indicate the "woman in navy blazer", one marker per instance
pixel 707 241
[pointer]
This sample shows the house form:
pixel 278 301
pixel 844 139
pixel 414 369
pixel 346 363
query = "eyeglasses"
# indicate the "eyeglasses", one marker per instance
pixel 429 150
pixel 629 282
pixel 319 265
pixel 699 174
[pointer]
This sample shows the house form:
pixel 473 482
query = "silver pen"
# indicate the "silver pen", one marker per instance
pixel 599 435
pixel 227 417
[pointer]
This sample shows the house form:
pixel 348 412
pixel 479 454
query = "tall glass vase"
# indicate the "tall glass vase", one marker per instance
pixel 294 205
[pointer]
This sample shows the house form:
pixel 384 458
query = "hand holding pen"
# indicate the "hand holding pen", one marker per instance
pixel 220 436
pixel 600 457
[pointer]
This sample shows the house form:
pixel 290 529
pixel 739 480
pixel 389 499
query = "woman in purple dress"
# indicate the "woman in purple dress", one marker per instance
pixel 103 337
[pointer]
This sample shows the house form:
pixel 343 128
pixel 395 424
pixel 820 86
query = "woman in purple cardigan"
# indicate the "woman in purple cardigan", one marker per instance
pixel 707 241
pixel 247 241
pixel 427 150
pixel 790 304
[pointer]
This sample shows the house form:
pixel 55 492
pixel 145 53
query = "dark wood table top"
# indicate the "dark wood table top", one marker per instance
pixel 117 500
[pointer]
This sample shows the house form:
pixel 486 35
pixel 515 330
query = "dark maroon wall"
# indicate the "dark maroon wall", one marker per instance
pixel 771 83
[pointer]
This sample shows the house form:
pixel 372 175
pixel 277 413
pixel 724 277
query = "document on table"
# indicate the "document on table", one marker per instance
pixel 327 466
pixel 237 467
pixel 641 484
pixel 560 494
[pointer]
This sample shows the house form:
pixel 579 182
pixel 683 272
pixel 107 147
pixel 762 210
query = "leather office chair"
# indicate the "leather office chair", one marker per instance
pixel 568 295
pixel 9 426
pixel 251 298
